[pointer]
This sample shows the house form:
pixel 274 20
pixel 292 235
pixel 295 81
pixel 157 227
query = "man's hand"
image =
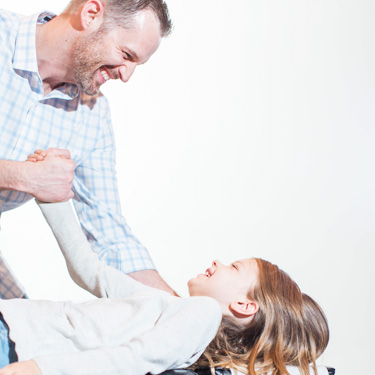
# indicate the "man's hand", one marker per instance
pixel 21 368
pixel 50 177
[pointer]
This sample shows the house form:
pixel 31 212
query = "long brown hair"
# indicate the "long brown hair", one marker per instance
pixel 289 328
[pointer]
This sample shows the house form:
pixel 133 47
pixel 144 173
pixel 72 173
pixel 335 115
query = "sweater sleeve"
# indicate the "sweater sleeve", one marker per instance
pixel 83 264
pixel 176 341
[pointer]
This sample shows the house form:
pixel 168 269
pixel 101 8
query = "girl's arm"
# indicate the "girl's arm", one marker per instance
pixel 83 264
pixel 177 340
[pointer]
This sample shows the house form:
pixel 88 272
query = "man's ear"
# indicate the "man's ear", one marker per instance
pixel 92 14
pixel 244 308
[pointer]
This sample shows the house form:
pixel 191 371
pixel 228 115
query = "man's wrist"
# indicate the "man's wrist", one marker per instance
pixel 23 178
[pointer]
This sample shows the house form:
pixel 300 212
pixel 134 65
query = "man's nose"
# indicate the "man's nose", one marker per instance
pixel 126 71
pixel 216 263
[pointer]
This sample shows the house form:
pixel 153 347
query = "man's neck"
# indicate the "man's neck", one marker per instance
pixel 54 41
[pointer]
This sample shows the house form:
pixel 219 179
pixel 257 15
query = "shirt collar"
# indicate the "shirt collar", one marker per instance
pixel 25 59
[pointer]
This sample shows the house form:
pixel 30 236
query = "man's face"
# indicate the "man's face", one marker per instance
pixel 226 283
pixel 98 57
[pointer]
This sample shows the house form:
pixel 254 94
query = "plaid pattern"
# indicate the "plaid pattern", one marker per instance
pixel 9 286
pixel 65 118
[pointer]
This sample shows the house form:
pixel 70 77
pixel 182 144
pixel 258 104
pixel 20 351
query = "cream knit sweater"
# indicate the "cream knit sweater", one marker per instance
pixel 136 330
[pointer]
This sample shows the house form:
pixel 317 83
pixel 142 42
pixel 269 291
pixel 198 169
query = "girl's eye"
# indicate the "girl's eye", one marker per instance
pixel 234 266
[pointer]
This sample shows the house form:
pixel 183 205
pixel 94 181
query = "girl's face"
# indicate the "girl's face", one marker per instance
pixel 226 284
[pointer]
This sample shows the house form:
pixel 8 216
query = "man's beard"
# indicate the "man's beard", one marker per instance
pixel 87 57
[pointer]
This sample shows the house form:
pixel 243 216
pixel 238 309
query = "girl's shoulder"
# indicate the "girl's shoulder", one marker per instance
pixel 205 303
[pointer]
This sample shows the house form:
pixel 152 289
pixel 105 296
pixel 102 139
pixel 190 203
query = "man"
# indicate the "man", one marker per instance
pixel 52 71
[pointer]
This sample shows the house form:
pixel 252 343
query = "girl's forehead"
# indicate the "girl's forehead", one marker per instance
pixel 248 261
pixel 249 264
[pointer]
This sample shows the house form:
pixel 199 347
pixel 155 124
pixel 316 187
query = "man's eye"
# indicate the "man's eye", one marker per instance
pixel 127 56
pixel 234 266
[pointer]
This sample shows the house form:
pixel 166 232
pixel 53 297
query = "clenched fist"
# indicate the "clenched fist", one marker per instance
pixel 50 175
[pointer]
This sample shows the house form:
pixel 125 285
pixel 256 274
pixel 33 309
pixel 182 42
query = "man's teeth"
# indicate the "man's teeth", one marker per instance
pixel 104 74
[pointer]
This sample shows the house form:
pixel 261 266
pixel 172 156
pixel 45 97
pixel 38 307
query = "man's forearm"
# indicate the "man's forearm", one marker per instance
pixel 49 180
pixel 13 175
pixel 153 279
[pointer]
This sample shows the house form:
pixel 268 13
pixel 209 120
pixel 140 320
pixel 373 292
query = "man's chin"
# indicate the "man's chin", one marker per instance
pixel 89 89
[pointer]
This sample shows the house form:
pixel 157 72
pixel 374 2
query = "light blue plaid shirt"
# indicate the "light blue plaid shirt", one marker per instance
pixel 65 118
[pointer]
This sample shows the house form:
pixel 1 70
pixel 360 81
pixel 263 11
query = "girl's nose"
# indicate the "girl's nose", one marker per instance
pixel 216 263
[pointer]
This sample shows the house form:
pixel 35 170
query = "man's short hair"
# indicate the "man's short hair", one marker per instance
pixel 120 13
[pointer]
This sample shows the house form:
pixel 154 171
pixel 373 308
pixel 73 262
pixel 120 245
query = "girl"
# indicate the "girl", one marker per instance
pixel 250 315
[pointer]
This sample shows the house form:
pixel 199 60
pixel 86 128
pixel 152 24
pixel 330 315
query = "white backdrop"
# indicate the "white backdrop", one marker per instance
pixel 249 133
